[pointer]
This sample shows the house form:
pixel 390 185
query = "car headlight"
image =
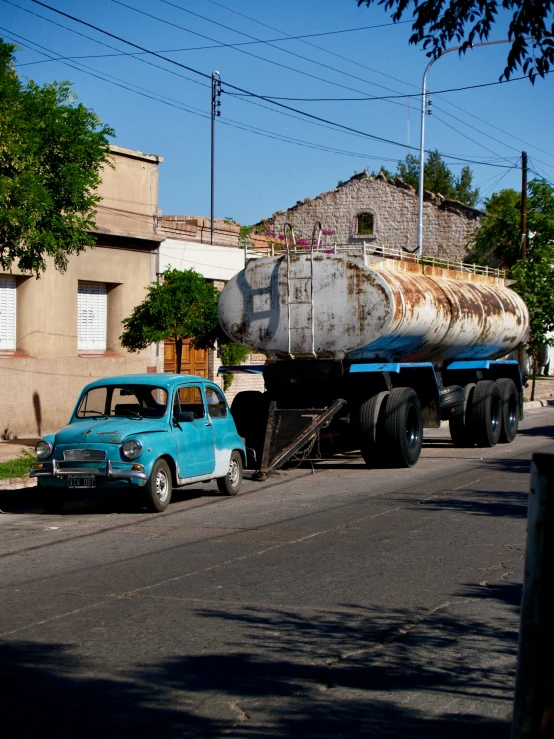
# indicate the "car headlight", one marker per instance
pixel 43 449
pixel 131 449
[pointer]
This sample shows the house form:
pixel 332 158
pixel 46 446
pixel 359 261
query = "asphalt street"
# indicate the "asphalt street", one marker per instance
pixel 345 603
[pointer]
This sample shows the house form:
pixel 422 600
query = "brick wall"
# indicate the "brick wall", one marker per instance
pixel 447 224
pixel 198 229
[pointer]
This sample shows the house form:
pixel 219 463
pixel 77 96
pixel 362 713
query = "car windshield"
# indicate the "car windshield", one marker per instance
pixel 131 401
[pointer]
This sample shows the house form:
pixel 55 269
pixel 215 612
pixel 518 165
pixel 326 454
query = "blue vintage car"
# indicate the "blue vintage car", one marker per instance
pixel 143 432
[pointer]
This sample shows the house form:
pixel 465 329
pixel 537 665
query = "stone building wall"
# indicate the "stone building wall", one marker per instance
pixel 447 224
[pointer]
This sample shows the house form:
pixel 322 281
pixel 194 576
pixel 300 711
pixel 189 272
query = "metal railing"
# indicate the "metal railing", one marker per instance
pixel 368 249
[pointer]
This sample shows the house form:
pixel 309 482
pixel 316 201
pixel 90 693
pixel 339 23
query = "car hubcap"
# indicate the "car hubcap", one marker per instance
pixel 234 472
pixel 162 486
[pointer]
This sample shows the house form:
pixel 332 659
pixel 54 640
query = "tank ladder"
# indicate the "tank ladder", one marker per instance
pixel 290 242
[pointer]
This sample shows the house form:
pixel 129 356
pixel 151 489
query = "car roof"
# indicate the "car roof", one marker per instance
pixel 158 380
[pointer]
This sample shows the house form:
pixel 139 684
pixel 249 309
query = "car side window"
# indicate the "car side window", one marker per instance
pixel 217 407
pixel 190 399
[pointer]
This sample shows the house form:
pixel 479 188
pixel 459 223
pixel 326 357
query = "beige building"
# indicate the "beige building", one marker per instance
pixel 61 331
pixel 383 212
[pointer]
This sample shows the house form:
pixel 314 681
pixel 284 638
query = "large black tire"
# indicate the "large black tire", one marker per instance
pixel 370 426
pixel 510 410
pixel 159 487
pixel 230 484
pixel 402 428
pixel 460 420
pixel 486 413
pixel 250 410
pixel 52 499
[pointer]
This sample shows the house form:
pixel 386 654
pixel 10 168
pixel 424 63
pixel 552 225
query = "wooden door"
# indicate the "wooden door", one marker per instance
pixel 193 362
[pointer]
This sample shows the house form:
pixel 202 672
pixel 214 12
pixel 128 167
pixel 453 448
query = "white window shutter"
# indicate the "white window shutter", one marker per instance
pixel 91 316
pixel 7 313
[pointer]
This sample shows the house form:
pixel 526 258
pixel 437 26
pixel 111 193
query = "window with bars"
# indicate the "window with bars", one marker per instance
pixel 7 313
pixel 92 314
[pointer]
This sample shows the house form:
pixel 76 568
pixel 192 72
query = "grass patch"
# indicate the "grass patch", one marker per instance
pixel 17 467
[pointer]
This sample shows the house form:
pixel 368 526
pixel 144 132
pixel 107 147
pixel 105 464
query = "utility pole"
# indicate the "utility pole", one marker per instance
pixel 216 111
pixel 523 218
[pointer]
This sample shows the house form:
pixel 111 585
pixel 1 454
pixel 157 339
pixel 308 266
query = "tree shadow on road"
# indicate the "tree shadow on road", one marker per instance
pixel 347 672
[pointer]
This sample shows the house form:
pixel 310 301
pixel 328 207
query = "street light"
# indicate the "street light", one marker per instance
pixel 422 140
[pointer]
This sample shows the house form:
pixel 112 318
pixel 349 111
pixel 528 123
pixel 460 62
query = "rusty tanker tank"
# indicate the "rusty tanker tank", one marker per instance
pixel 360 307
pixel 371 348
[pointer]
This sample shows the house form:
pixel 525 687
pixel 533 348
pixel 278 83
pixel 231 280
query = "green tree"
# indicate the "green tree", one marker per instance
pixel 497 240
pixel 464 192
pixel 438 178
pixel 51 153
pixel 183 306
pixel 438 25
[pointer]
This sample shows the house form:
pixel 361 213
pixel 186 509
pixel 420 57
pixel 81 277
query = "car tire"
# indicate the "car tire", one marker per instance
pixel 510 410
pixel 52 499
pixel 486 413
pixel 460 420
pixel 403 428
pixel 159 487
pixel 370 423
pixel 230 484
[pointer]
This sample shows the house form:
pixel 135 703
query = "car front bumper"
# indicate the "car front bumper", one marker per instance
pixel 59 469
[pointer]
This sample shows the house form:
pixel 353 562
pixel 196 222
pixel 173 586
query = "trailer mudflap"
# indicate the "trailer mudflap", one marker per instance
pixel 288 430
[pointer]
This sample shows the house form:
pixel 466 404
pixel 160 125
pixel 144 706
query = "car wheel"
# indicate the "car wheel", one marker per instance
pixel 510 410
pixel 230 484
pixel 460 422
pixel 403 427
pixel 370 423
pixel 159 487
pixel 486 413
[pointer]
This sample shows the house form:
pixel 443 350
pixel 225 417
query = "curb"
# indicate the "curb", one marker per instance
pixel 537 404
pixel 16 483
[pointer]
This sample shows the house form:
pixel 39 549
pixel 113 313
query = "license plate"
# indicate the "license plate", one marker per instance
pixel 81 481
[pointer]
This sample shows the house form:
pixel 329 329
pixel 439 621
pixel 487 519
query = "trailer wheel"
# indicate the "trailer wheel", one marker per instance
pixel 486 413
pixel 403 427
pixel 460 420
pixel 250 410
pixel 370 417
pixel 510 410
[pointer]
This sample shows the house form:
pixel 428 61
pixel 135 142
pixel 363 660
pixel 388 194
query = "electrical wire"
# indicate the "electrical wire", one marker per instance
pixel 338 126
pixel 203 84
pixel 101 43
pixel 241 51
pixel 171 102
pixel 315 46
pixel 268 43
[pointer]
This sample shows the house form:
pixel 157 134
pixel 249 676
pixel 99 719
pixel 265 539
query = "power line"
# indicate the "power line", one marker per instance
pixel 146 51
pixel 242 51
pixel 268 43
pixel 171 102
pixel 340 126
pixel 101 43
pixel 315 46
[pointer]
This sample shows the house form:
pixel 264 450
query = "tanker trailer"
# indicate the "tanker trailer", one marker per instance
pixel 375 346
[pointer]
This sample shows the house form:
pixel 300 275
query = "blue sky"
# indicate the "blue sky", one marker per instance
pixel 268 157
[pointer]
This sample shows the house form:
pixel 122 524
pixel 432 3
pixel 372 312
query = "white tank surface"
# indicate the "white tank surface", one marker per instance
pixel 363 307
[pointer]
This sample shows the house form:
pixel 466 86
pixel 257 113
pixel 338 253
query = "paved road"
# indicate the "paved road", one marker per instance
pixel 346 603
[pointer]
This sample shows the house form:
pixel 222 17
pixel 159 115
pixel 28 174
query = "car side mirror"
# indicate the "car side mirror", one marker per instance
pixel 184 417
